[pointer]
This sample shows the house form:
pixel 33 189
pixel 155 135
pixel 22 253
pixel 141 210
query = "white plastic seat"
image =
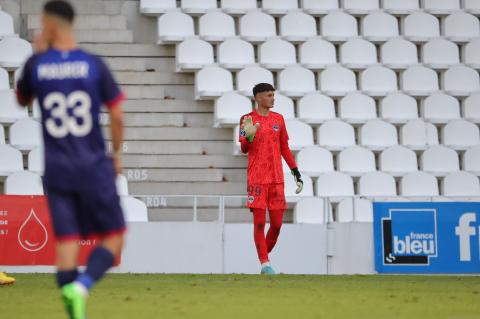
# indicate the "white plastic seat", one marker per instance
pixel 174 27
pixel 417 134
pixel 310 211
pixel 377 135
pixel 25 134
pixel 358 54
pixel 471 108
pixel 338 26
pixel 211 82
pixel 121 183
pixel 439 160
pixel 250 76
pixel 337 81
pixel 440 54
pixel 398 160
pixel 471 160
pixel 284 105
pixel 277 54
pixel 421 27
pixel 379 27
pixel 6 25
pixel 279 7
pixel 300 134
pixel 335 135
pixel 234 54
pixel 4 81
pixel 356 160
pixel 472 6
pixel 11 160
pixel 317 54
pixel 357 108
pixel 418 184
pixel 36 162
pixel 216 26
pixel 401 7
pixel 297 26
pixel 460 134
pixel 334 184
pixel 355 210
pixel 235 7
pixel 196 7
pixel 10 111
pixel 14 52
pixel 316 8
pixel 193 54
pixel 439 108
pixel 377 184
pixel 315 108
pixel 296 81
pixel 156 7
pixel 2 135
pixel 257 26
pixel 471 54
pixel 398 108
pixel 378 81
pixel 441 7
pixel 229 108
pixel 398 54
pixel 23 183
pixel 359 7
pixel 315 161
pixel 134 209
pixel 460 184
pixel 461 27
pixel 419 81
pixel 291 186
pixel 461 80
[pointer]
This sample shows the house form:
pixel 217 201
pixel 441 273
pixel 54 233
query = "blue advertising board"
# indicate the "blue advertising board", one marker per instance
pixel 426 237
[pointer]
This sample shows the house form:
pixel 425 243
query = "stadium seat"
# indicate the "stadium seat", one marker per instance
pixel 356 108
pixel 377 135
pixel 471 108
pixel 310 211
pixel 122 185
pixel 398 160
pixel 36 161
pixel 296 81
pixel 378 81
pixel 379 27
pixel 285 106
pixel 402 7
pixel 460 184
pixel 4 81
pixel 315 108
pixel 471 160
pixel 398 108
pixel 300 134
pixel 11 160
pixel 316 54
pixel 418 184
pixel 36 111
pixel 10 110
pixel 2 135
pixel 198 7
pixel 235 7
pixel 6 25
pixel 419 81
pixel 229 108
pixel 297 27
pixel 335 135
pixel 471 54
pixel 14 52
pixel 440 54
pixel 460 81
pixel 421 27
pixel 472 6
pixel 315 161
pixel 134 209
pixel 461 27
pixel 156 7
pixel 356 160
pixel 23 183
pixel 334 184
pixel 193 54
pixel 276 54
pixel 174 27
pixel 439 108
pixel 337 81
pixel 377 184
pixel 257 26
pixel 439 160
pixel 235 54
pixel 212 82
pixel 441 7
pixel 338 26
pixel 279 7
pixel 216 26
pixel 251 75
pixel 291 187
pixel 418 135
pixel 359 7
pixel 355 210
pixel 460 134
pixel 358 54
pixel 317 8
pixel 25 134
pixel 398 54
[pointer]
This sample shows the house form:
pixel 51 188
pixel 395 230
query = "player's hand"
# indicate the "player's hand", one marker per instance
pixel 117 163
pixel 298 180
pixel 39 43
pixel 249 128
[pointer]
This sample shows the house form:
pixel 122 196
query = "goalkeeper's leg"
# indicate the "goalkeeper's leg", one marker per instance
pixel 259 220
pixel 276 220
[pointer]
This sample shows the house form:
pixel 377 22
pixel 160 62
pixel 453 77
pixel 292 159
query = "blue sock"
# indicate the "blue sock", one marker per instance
pixel 100 260
pixel 66 277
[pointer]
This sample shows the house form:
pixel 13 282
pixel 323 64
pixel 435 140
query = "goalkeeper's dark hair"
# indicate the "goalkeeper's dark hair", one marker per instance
pixel 61 9
pixel 262 87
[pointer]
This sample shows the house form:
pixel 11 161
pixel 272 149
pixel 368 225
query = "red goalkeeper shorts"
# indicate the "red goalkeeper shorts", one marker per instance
pixel 271 196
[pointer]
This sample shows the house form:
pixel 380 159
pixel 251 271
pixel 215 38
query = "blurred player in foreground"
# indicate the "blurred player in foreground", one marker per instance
pixel 263 135
pixel 71 85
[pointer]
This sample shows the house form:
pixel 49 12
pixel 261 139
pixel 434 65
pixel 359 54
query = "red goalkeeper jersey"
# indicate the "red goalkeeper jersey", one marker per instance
pixel 267 148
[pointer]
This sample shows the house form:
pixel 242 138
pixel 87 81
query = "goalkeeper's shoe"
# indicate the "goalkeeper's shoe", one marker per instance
pixel 5 279
pixel 267 270
pixel 298 180
pixel 75 301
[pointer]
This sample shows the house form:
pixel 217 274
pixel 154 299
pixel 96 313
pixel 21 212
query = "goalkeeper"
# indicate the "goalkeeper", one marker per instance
pixel 264 137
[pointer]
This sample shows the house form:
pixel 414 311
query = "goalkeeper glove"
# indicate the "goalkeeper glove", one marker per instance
pixel 298 180
pixel 249 128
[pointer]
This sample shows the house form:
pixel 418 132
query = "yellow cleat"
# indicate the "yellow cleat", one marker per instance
pixel 5 280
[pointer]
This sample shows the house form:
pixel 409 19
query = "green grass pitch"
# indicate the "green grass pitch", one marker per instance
pixel 244 297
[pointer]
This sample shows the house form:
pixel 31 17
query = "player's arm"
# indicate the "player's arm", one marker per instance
pixel 287 154
pixel 25 92
pixel 247 133
pixel 116 130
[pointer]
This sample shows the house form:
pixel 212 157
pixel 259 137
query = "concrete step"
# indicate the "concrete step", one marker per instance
pixel 198 188
pixel 183 161
pixel 82 7
pixel 176 147
pixel 235 174
pixel 97 35
pixel 130 50
pixel 150 78
pixel 86 22
pixel 175 134
pixel 170 105
pixel 159 91
pixel 173 175
pixel 141 63
pixel 163 119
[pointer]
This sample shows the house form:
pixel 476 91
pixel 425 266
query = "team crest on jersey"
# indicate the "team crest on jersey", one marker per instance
pixel 276 127
pixel 243 133
pixel 251 199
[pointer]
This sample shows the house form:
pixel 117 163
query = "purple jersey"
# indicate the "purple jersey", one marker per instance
pixel 71 87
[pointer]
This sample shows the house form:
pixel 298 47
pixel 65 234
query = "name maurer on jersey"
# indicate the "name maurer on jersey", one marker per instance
pixel 60 71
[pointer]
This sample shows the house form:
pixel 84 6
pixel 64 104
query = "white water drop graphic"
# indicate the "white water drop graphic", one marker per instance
pixel 29 232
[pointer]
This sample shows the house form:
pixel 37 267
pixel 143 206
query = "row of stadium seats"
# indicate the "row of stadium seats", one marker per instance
pixel 14 52
pixel 315 210
pixel 24 134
